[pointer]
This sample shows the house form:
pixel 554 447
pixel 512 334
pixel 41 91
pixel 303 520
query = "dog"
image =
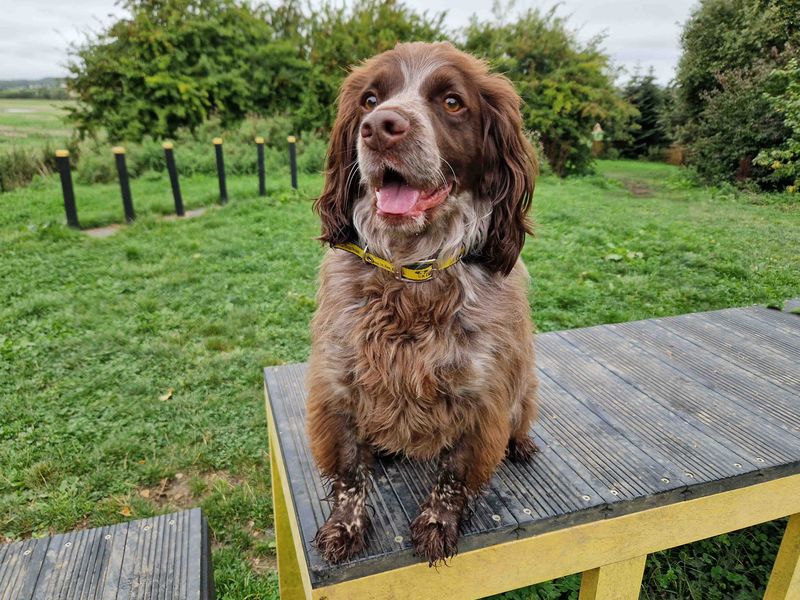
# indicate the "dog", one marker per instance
pixel 422 342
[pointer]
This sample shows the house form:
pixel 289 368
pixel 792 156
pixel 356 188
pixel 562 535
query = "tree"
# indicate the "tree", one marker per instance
pixel 566 86
pixel 174 63
pixel 647 128
pixel 721 109
pixel 783 95
pixel 338 37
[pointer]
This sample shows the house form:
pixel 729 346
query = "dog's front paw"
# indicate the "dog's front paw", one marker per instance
pixel 521 449
pixel 339 539
pixel 435 536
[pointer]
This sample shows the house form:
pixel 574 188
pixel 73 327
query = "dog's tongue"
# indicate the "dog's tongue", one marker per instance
pixel 397 198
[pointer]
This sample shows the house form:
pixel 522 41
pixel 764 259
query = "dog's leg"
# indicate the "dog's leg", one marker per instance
pixel 520 446
pixel 463 472
pixel 346 462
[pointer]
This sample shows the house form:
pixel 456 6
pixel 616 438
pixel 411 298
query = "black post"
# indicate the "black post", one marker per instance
pixel 173 178
pixel 223 190
pixel 62 162
pixel 293 159
pixel 262 177
pixel 124 183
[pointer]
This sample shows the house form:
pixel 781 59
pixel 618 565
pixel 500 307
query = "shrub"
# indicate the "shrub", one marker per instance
pixel 565 85
pixel 728 109
pixel 783 95
pixel 18 166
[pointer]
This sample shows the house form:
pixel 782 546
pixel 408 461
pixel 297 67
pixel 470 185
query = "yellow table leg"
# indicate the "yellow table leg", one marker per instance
pixel 784 583
pixel 617 581
pixel 291 583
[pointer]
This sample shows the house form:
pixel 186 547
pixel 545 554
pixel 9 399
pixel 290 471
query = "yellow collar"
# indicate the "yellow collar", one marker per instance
pixel 421 271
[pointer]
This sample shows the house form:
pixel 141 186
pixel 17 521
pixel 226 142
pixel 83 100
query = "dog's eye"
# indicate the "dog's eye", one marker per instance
pixel 370 101
pixel 452 104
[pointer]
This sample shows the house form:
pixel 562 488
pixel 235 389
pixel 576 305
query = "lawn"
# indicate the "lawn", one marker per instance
pixel 32 123
pixel 130 366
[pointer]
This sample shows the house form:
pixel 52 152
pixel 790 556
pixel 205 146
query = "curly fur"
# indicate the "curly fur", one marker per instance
pixel 440 370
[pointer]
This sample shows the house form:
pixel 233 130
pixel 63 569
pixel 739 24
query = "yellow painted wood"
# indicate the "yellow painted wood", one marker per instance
pixel 289 579
pixel 118 150
pixel 259 140
pixel 62 153
pixel 167 145
pixel 291 139
pixel 784 583
pixel 285 514
pixel 216 141
pixel 577 549
pixel 617 581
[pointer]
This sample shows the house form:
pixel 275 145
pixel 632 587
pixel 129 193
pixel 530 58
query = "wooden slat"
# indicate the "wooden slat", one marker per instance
pixel 162 558
pixel 633 417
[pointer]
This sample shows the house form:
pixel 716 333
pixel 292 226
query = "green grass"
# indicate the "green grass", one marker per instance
pixel 32 123
pixel 130 367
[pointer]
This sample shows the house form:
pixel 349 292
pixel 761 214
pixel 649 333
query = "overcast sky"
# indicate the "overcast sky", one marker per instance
pixel 34 34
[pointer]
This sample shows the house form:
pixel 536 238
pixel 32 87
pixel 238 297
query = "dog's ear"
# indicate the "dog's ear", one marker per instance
pixel 509 171
pixel 342 178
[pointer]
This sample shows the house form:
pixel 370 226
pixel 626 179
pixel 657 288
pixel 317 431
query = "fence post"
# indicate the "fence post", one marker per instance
pixel 293 159
pixel 223 189
pixel 62 163
pixel 173 178
pixel 262 177
pixel 124 183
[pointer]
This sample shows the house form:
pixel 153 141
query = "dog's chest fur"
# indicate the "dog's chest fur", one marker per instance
pixel 415 356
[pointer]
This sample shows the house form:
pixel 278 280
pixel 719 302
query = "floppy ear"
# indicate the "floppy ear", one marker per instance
pixel 342 178
pixel 510 168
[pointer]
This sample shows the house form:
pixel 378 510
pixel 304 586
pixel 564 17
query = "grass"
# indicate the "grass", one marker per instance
pixel 130 367
pixel 32 123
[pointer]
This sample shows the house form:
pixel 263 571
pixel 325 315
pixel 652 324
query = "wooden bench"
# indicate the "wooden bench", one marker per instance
pixel 162 558
pixel 653 434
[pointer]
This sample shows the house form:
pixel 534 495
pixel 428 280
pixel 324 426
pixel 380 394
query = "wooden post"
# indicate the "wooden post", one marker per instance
pixel 289 579
pixel 223 189
pixel 293 159
pixel 62 162
pixel 262 177
pixel 784 583
pixel 124 183
pixel 617 581
pixel 169 154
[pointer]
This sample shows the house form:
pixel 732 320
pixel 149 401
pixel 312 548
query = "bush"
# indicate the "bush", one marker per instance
pixel 783 95
pixel 736 123
pixel 728 109
pixel 18 166
pixel 174 63
pixel 566 85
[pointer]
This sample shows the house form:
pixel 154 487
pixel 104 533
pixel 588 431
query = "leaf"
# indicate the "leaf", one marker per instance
pixel 167 396
pixel 613 256
pixel 126 511
pixel 144 493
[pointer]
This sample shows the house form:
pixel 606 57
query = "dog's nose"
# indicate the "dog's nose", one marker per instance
pixel 383 129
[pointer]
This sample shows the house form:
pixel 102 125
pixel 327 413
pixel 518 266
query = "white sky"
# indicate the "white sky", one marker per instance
pixel 35 34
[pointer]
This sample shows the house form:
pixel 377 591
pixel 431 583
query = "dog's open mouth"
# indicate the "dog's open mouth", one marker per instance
pixel 396 197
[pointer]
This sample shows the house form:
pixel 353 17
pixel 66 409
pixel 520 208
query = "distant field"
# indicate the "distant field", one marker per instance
pixel 32 122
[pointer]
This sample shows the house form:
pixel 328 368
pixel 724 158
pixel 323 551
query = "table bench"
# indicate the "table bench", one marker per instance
pixel 653 434
pixel 161 558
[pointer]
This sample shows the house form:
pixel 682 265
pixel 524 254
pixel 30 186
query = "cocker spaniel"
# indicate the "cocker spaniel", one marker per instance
pixel 422 343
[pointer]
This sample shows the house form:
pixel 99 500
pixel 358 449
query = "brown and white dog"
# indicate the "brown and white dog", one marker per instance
pixel 427 160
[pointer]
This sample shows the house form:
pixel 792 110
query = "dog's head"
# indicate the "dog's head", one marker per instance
pixel 424 132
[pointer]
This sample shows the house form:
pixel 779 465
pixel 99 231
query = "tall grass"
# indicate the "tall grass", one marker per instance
pixel 193 150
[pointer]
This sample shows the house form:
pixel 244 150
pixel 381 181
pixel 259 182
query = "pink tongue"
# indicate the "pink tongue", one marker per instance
pixel 397 199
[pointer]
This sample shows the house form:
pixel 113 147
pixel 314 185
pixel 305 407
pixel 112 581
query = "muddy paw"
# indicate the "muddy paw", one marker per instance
pixel 435 537
pixel 522 449
pixel 338 540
